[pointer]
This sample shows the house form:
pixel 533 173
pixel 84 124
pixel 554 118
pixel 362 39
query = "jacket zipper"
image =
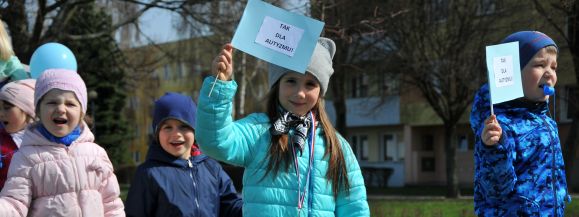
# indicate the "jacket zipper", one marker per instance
pixel 194 185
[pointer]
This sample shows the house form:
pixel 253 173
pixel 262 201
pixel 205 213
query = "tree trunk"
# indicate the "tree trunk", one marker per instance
pixel 340 101
pixel 18 25
pixel 570 147
pixel 242 87
pixel 452 190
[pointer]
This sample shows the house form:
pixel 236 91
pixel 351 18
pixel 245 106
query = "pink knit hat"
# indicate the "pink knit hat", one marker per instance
pixel 62 79
pixel 21 94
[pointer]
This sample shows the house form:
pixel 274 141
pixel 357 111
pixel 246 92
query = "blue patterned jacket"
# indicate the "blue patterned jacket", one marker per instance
pixel 524 174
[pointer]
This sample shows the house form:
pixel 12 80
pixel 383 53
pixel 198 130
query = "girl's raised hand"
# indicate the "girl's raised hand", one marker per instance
pixel 492 131
pixel 222 65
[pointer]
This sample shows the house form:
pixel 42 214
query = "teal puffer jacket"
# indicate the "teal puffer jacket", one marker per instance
pixel 245 143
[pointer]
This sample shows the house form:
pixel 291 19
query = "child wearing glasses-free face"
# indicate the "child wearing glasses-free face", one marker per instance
pixel 291 150
pixel 59 152
pixel 177 179
pixel 176 138
pixel 16 112
pixel 60 112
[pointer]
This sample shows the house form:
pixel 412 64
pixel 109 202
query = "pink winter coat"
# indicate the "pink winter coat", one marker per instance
pixel 49 179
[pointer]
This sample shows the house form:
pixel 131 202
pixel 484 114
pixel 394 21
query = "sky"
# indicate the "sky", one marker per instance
pixel 157 24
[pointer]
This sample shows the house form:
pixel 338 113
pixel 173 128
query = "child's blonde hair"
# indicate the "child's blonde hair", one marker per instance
pixel 552 49
pixel 6 50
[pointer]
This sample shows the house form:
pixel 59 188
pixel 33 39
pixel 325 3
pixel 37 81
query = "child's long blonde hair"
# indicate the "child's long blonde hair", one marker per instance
pixel 280 153
pixel 6 50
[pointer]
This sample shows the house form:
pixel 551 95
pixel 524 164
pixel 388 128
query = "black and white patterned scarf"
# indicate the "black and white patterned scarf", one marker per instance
pixel 295 126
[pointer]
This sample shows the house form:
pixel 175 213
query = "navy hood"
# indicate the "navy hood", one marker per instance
pixel 174 106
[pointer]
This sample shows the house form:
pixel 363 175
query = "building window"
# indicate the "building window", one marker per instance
pixel 360 146
pixel 180 71
pixel 427 164
pixel 465 142
pixel 462 143
pixel 197 69
pixel 572 102
pixel 134 102
pixel 166 72
pixel 137 130
pixel 359 86
pixel 137 156
pixel 388 85
pixel 427 142
pixel 391 149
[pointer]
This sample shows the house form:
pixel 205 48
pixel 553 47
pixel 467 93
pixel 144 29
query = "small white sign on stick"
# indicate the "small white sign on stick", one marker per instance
pixel 504 72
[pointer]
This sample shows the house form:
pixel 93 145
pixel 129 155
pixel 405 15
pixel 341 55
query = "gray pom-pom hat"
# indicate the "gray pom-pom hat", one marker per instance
pixel 320 64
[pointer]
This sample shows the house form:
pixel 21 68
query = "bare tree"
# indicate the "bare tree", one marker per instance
pixel 358 33
pixel 219 19
pixel 567 26
pixel 440 47
pixel 32 23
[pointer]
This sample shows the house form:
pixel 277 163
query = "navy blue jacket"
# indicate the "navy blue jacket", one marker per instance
pixel 524 174
pixel 168 186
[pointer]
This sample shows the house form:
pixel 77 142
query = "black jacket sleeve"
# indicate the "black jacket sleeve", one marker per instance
pixel 230 203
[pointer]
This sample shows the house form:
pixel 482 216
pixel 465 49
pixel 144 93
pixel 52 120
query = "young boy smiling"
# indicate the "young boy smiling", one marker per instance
pixel 177 179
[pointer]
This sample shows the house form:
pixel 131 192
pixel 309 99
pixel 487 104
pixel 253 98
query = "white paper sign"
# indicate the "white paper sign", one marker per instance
pixel 504 72
pixel 503 68
pixel 279 36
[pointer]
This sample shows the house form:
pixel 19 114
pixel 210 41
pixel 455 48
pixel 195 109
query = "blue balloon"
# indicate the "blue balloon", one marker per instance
pixel 51 56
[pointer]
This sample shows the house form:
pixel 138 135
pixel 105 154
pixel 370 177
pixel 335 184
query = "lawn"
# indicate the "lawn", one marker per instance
pixel 421 207
pixel 436 208
pixel 124 191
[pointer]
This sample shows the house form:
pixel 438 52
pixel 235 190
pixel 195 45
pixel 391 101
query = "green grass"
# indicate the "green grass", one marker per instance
pixel 436 208
pixel 420 208
pixel 124 191
pixel 423 208
pixel 416 191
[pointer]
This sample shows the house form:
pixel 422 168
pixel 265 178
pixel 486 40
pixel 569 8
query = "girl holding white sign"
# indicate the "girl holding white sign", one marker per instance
pixel 519 169
pixel 296 164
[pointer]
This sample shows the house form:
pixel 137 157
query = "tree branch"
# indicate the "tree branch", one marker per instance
pixel 114 27
pixel 551 21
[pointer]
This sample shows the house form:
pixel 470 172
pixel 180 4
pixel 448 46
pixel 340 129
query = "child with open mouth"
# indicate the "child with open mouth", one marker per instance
pixel 16 112
pixel 177 179
pixel 59 170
